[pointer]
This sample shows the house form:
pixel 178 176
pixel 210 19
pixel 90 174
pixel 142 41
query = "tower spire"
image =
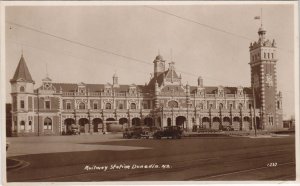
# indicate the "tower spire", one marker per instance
pixel 47 75
pixel 261 18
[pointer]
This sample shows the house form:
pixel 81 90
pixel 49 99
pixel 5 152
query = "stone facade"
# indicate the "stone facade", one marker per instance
pixel 54 108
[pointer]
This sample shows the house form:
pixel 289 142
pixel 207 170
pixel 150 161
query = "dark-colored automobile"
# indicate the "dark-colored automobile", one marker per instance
pixel 175 132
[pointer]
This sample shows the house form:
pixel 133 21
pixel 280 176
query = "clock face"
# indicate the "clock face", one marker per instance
pixel 269 80
pixel 256 81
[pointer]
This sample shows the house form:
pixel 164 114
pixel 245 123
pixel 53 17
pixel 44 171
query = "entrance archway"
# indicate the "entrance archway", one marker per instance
pixel 136 121
pixel 84 125
pixel 246 123
pixel 226 121
pixel 97 124
pixel 236 123
pixel 205 122
pixel 216 124
pixel 180 121
pixel 123 121
pixel 68 125
pixel 148 121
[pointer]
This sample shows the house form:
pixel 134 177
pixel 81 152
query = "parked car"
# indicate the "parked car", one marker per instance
pixel 174 132
pixel 227 128
pixel 136 132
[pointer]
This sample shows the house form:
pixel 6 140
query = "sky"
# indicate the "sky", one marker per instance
pixel 211 41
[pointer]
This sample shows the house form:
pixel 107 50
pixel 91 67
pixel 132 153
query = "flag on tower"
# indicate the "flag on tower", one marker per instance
pixel 257 17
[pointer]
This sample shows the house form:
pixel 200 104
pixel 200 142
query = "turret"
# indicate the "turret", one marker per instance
pixel 22 93
pixel 115 80
pixel 200 82
pixel 159 65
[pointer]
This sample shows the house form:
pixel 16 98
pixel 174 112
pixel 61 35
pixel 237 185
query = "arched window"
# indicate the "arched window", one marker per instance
pixel 82 106
pixel 221 105
pixel 30 125
pixel 169 121
pixel 107 106
pixel 22 89
pixel 173 104
pixel 278 104
pixel 22 125
pixel 240 106
pixel 132 106
pixel 47 124
pixel 265 55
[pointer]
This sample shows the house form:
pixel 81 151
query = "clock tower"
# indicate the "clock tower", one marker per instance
pixel 263 61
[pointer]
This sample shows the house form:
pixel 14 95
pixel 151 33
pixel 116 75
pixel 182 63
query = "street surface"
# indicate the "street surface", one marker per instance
pixel 111 158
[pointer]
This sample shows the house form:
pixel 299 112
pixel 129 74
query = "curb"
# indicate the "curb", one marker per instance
pixel 19 164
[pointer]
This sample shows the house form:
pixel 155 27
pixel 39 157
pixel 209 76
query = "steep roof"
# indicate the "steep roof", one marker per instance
pixel 228 90
pixel 22 72
pixel 72 87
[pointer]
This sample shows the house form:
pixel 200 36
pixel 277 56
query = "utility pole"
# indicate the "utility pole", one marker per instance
pixel 38 111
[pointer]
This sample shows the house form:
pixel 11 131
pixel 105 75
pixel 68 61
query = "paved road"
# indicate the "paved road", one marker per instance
pixel 186 159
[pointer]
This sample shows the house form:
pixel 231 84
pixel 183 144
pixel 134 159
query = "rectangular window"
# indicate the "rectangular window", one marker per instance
pixel 47 104
pixel 121 106
pixel 145 105
pixel 95 106
pixel 22 104
pixel 68 106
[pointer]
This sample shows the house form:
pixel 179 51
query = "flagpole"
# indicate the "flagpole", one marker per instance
pixel 261 17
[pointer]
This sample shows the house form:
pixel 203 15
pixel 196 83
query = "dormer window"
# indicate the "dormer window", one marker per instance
pixel 22 89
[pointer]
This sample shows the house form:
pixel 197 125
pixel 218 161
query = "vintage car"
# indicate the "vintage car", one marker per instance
pixel 140 132
pixel 174 132
pixel 227 128
pixel 136 132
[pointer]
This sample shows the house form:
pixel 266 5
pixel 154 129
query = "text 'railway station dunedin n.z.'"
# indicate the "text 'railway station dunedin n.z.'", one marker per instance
pixel 53 108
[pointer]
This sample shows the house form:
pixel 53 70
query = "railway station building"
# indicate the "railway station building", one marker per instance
pixel 53 108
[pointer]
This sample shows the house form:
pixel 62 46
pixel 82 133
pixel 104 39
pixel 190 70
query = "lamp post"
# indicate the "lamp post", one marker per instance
pixel 254 106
